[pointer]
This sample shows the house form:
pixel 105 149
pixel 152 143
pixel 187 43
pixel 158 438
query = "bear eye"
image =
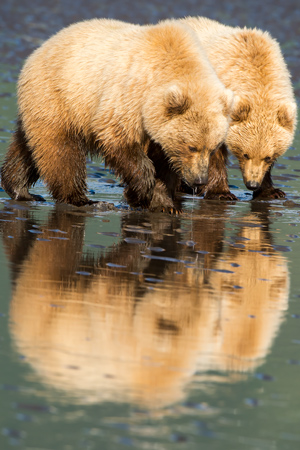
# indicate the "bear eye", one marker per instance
pixel 246 156
pixel 193 149
pixel 267 159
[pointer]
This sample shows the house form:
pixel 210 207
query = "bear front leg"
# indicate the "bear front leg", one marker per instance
pixel 138 173
pixel 162 200
pixel 267 190
pixel 217 186
pixel 166 184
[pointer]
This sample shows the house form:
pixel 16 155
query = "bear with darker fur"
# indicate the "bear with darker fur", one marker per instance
pixel 141 97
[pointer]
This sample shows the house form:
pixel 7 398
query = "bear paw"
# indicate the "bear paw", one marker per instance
pixel 220 196
pixel 161 201
pixel 269 194
pixel 24 195
pixel 171 210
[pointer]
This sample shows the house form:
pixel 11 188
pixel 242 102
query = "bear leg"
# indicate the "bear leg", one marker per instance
pixel 267 190
pixel 19 171
pixel 217 186
pixel 138 173
pixel 167 182
pixel 154 195
pixel 62 165
pixel 162 201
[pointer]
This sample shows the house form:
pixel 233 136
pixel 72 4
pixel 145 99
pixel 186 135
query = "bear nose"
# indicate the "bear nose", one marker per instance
pixel 252 185
pixel 203 179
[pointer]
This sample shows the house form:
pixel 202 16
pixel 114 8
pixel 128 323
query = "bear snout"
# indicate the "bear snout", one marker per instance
pixel 252 185
pixel 200 180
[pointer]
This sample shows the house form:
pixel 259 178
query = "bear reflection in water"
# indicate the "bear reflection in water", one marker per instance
pixel 144 324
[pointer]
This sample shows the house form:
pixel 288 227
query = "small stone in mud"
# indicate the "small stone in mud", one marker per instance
pixel 33 407
pixel 294 362
pixel 291 204
pixel 264 377
pixel 282 248
pixel 24 417
pixel 126 441
pixel 178 438
pixel 105 206
pixel 251 401
pixel 13 433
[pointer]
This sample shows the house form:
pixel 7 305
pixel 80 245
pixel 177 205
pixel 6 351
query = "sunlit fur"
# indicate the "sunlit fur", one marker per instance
pixel 250 62
pixel 110 88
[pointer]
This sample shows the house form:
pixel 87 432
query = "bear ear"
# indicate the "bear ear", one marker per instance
pixel 176 101
pixel 228 101
pixel 286 115
pixel 240 111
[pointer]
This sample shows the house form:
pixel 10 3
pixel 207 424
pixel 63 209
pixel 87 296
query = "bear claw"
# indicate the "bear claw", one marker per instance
pixel 171 210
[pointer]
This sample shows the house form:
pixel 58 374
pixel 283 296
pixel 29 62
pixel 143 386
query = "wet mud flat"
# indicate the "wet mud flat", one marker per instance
pixel 125 328
pixel 135 328
pixel 24 25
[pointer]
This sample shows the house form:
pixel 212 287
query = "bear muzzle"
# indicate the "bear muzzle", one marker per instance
pixel 254 171
pixel 197 173
pixel 201 180
pixel 252 185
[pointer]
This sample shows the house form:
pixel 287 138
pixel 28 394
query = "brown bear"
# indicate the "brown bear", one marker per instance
pixel 249 62
pixel 112 89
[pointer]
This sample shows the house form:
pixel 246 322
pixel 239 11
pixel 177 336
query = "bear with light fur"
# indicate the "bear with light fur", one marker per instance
pixel 141 97
pixel 250 62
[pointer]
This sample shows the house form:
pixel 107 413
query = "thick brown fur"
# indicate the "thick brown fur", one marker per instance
pixel 112 89
pixel 249 62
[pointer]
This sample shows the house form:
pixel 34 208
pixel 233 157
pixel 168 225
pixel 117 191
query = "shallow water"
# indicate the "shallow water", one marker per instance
pixel 130 329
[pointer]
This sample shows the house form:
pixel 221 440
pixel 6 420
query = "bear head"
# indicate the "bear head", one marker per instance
pixel 258 134
pixel 189 122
